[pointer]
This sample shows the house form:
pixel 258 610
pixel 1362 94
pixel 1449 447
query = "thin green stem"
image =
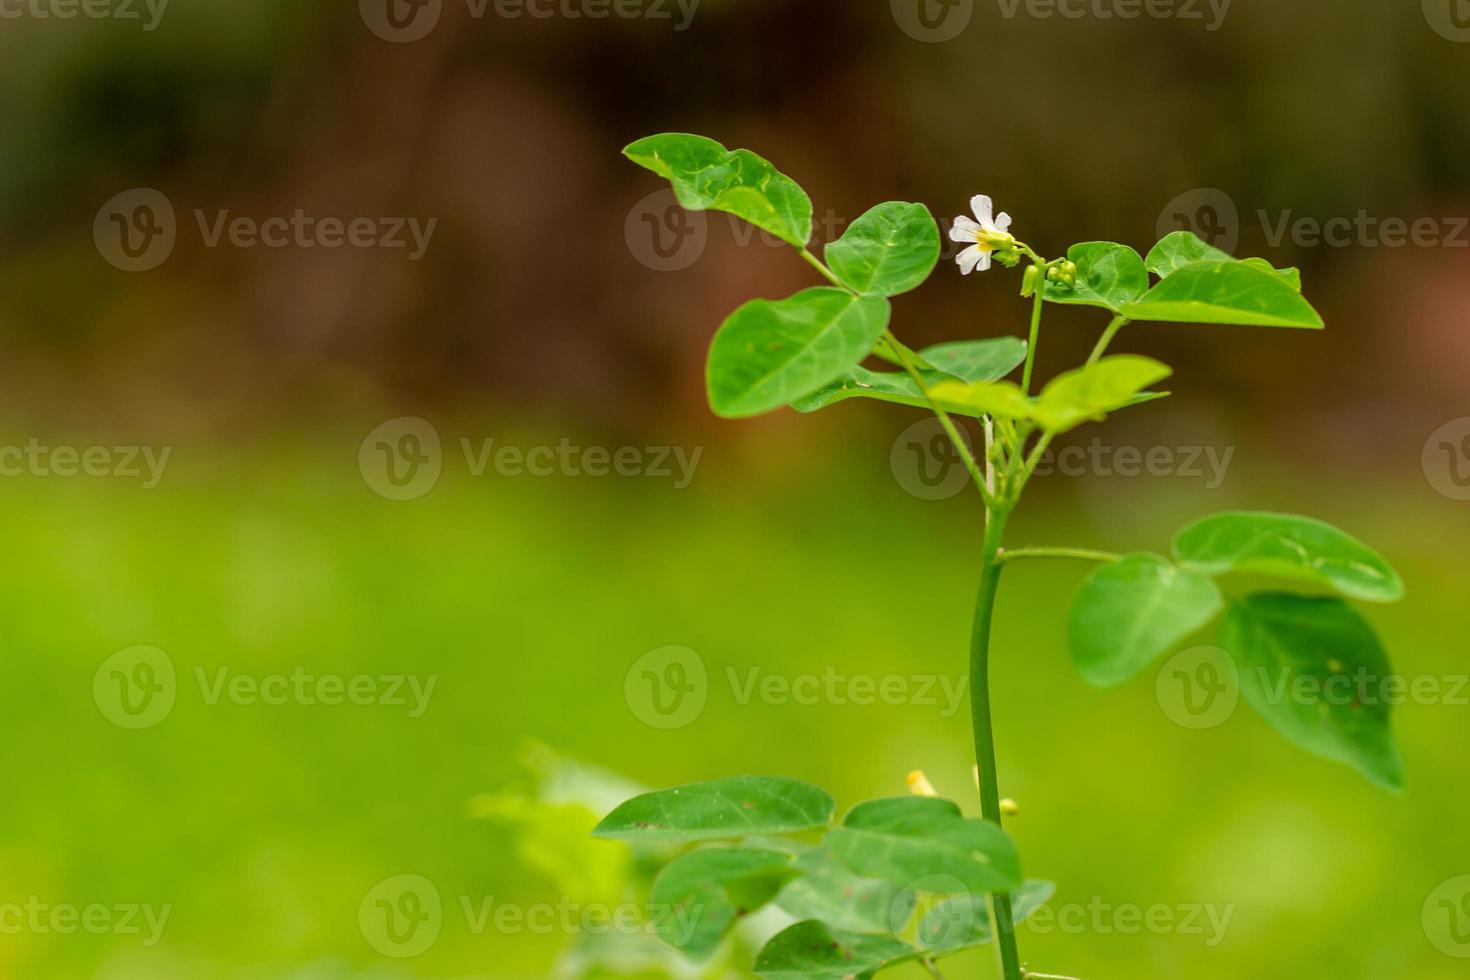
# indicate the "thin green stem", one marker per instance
pixel 1119 322
pixel 1000 902
pixel 821 267
pixel 1028 975
pixel 932 968
pixel 1036 306
pixel 961 446
pixel 1083 554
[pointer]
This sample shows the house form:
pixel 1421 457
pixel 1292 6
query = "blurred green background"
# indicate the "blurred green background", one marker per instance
pixel 544 312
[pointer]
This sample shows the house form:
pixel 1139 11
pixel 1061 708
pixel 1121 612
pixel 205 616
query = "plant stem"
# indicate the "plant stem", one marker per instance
pixel 932 968
pixel 1036 307
pixel 1000 902
pixel 1107 338
pixel 1084 554
pixel 960 445
pixel 821 267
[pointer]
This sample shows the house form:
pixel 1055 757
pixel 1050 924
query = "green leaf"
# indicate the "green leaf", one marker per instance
pixel 828 891
pixel 977 360
pixel 1225 292
pixel 1179 249
pixel 702 895
pixel 1108 275
pixel 908 838
pixel 1285 546
pixel 1292 277
pixel 1089 393
pixel 722 809
pixel 1131 612
pixel 1315 670
pixel 816 951
pixel 706 176
pixel 998 399
pixel 768 354
pixel 966 360
pixel 889 250
pixel 963 921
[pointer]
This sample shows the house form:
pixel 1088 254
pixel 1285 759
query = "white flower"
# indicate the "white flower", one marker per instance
pixel 986 233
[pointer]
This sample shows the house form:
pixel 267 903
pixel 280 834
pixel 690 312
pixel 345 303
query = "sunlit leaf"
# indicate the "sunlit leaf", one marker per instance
pixel 1091 392
pixel 966 360
pixel 889 250
pixel 1225 292
pixel 1286 546
pixel 1179 249
pixel 706 176
pixel 828 891
pixel 721 809
pixel 1108 275
pixel 1129 613
pixel 768 354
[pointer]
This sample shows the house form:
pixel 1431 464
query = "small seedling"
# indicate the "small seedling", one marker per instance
pixel 912 879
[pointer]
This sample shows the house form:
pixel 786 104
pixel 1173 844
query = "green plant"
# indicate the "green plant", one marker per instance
pixel 912 879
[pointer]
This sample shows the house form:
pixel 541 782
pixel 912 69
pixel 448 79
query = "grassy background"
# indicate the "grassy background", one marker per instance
pixel 529 599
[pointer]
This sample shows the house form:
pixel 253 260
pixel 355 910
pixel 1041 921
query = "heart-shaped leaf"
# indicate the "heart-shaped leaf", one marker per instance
pixel 889 250
pixel 706 176
pixel 816 951
pixel 1286 546
pixel 1315 670
pixel 703 894
pixel 1089 393
pixel 970 360
pixel 1225 292
pixel 721 809
pixel 768 354
pixel 1108 275
pixel 906 839
pixel 1179 249
pixel 1129 613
